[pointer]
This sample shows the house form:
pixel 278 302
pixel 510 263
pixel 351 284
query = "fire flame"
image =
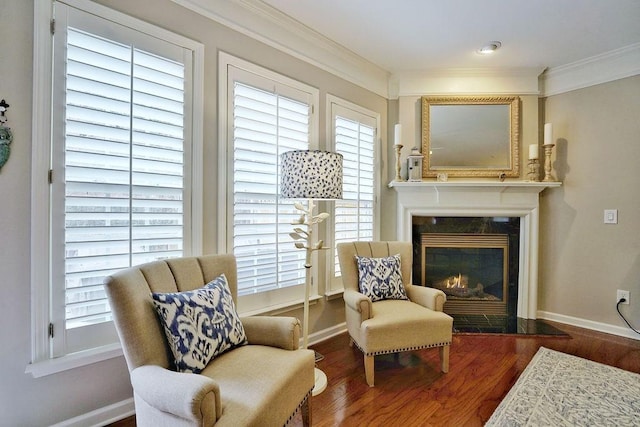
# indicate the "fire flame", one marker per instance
pixel 455 282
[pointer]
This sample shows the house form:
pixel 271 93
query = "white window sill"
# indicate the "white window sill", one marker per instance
pixel 74 360
pixel 275 310
pixel 110 351
pixel 334 294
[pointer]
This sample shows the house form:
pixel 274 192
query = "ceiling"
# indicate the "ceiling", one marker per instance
pixel 413 35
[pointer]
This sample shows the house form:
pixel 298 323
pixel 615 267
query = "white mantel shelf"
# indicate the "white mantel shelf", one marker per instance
pixel 481 198
pixel 499 186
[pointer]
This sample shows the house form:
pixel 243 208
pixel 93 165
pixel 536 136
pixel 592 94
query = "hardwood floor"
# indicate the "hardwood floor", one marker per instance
pixel 411 391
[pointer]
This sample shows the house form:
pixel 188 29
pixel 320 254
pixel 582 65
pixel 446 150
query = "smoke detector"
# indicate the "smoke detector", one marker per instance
pixel 489 48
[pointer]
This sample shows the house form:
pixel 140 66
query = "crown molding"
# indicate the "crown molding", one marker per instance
pixel 613 65
pixel 466 81
pixel 266 24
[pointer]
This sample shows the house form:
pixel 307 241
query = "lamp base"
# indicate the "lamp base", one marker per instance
pixel 321 382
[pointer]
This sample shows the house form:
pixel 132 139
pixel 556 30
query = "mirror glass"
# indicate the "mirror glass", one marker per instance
pixel 470 136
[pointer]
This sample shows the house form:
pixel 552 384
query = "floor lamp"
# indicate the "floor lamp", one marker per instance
pixel 312 175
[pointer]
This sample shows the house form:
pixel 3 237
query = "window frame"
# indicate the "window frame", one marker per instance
pixel 43 360
pixel 357 113
pixel 282 299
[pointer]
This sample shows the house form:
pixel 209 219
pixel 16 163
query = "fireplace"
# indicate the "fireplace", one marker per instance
pixel 471 269
pixel 516 200
pixel 473 260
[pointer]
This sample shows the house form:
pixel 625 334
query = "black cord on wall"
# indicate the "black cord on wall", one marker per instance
pixel 621 315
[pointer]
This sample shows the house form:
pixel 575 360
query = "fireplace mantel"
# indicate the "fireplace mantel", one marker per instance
pixel 478 199
pixel 499 186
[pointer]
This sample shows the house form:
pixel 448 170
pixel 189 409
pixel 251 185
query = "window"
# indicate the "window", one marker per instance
pixel 268 115
pixel 122 138
pixel 353 131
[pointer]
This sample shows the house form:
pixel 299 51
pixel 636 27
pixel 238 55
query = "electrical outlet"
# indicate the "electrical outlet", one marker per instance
pixel 622 294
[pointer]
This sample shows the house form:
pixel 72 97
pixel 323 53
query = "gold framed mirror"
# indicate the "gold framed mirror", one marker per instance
pixel 471 136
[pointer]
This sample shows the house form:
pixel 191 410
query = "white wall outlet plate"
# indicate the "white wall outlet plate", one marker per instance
pixel 611 216
pixel 622 294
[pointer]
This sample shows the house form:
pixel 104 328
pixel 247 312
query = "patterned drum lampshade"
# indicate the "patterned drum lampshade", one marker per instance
pixel 311 174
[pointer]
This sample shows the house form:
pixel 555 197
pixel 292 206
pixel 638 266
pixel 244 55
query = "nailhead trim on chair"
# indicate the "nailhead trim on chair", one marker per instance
pixel 292 416
pixel 401 349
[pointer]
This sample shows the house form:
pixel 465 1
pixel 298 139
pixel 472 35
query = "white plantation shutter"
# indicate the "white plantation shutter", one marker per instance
pixel 354 138
pixel 123 167
pixel 265 125
pixel 119 188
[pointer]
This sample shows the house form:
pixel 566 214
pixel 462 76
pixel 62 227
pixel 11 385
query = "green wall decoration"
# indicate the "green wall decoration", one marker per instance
pixel 5 135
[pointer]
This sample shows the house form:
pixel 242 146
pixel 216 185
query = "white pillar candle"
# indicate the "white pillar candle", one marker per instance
pixel 548 133
pixel 397 137
pixel 533 151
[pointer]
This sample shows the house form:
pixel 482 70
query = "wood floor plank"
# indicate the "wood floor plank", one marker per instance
pixel 411 391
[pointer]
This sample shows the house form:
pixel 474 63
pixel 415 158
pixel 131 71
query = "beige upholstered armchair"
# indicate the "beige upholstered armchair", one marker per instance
pixel 392 325
pixel 263 383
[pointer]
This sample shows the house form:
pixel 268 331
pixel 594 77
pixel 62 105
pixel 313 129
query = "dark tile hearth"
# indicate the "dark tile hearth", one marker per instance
pixel 497 324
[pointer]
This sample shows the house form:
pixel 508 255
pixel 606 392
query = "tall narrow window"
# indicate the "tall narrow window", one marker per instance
pixel 120 188
pixel 123 167
pixel 354 136
pixel 268 118
pixel 265 125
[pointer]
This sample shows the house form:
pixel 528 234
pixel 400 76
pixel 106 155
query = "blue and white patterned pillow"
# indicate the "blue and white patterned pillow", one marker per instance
pixel 200 324
pixel 381 278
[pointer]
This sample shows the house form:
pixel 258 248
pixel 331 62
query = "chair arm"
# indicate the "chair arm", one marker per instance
pixel 359 302
pixel 273 331
pixel 190 396
pixel 427 297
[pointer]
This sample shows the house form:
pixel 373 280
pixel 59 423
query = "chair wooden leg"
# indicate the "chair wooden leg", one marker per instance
pixel 306 412
pixel 444 358
pixel 368 369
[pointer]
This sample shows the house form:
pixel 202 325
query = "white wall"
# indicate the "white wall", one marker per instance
pixel 583 261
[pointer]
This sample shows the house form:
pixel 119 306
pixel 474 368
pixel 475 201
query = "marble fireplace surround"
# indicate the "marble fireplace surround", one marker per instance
pixel 481 199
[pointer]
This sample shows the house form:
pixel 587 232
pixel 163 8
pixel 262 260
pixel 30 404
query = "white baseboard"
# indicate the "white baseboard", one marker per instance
pixel 325 334
pixel 103 416
pixel 588 324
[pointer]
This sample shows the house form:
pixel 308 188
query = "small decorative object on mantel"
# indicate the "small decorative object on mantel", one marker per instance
pixel 414 165
pixel 534 164
pixel 397 137
pixel 548 149
pixel 5 135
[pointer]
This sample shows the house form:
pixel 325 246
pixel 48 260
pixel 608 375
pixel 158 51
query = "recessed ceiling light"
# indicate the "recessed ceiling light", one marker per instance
pixel 489 48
